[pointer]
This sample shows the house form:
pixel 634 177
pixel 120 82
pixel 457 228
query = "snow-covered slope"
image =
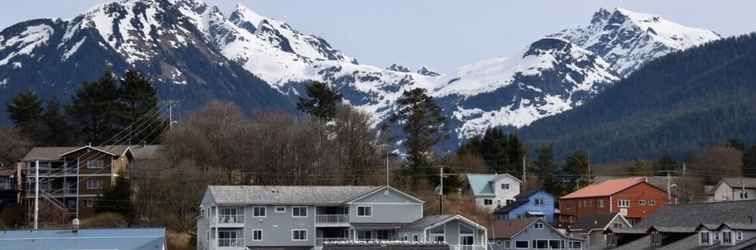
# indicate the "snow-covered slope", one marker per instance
pixel 627 39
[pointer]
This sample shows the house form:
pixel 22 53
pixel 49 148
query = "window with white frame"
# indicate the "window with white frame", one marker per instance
pixel 539 202
pixel 257 234
pixel 623 203
pixel 652 202
pixel 94 184
pixel 95 164
pixel 538 225
pixel 258 212
pixel 642 202
pixel 521 244
pixel 280 209
pixel 505 186
pixel 299 211
pixel 405 237
pixel 739 235
pixel 230 238
pixel 231 215
pixel 600 203
pixel 299 234
pixel 576 245
pixel 540 244
pixel 487 202
pixel 704 238
pixel 415 237
pixel 727 238
pixel 743 195
pixel 364 211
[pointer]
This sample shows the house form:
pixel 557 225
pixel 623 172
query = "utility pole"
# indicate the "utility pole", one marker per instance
pixel 387 168
pixel 669 188
pixel 78 171
pixel 524 173
pixel 170 114
pixel 36 195
pixel 441 192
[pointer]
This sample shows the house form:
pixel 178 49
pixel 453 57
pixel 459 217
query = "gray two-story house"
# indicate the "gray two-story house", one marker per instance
pixel 304 217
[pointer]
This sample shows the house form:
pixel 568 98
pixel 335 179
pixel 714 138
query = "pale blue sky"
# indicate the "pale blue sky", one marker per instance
pixel 442 34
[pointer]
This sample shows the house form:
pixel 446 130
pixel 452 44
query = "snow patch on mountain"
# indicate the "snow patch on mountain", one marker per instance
pixel 25 44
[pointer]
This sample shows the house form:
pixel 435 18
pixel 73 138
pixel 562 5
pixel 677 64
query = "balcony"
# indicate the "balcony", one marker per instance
pixel 467 247
pixel 332 219
pixel 319 241
pixel 231 219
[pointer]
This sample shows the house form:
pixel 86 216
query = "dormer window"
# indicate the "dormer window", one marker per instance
pixel 505 186
pixel 538 225
pixel 656 239
pixel 705 238
pixel 727 238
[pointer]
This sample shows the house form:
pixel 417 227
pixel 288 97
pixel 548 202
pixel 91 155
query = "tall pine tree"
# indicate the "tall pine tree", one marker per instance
pixel 139 103
pixel 423 125
pixel 322 101
pixel 576 171
pixel 95 109
pixel 544 165
pixel 25 110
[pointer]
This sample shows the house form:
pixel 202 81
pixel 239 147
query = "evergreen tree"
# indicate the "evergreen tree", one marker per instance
pixel 25 110
pixel 322 101
pixel 117 198
pixel 95 110
pixel 139 102
pixel 576 170
pixel 421 120
pixel 665 163
pixel 545 169
pixel 749 162
pixel 56 127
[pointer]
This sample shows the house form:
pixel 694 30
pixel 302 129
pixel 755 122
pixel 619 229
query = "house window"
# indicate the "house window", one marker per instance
pixel 258 212
pixel 743 195
pixel 299 212
pixel 415 238
pixel 556 244
pixel 541 244
pixel 521 244
pixel 405 237
pixel 727 238
pixel 230 215
pixel 95 164
pixel 88 203
pixel 705 238
pixel 652 202
pixel 257 234
pixel 507 244
pixel 5 183
pixel 623 203
pixel 538 225
pixel 600 203
pixel 505 186
pixel 280 210
pixel 94 184
pixel 739 235
pixel 437 238
pixel 642 202
pixel 230 238
pixel 575 245
pixel 539 202
pixel 299 234
pixel 364 211
pixel 487 202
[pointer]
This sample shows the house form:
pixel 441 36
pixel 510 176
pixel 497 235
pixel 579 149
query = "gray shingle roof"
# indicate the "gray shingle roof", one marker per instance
pixel 593 221
pixel 272 195
pixel 694 214
pixel 427 221
pixel 54 153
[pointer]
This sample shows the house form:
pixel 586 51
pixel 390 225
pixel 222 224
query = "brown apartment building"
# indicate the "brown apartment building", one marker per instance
pixel 633 198
pixel 68 173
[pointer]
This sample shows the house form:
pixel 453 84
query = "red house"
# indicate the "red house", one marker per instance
pixel 633 198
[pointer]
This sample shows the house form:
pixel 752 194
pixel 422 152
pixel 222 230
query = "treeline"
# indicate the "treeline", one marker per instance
pixel 682 102
pixel 97 112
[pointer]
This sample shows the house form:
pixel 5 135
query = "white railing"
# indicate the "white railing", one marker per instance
pixel 231 242
pixel 319 241
pixel 467 247
pixel 332 218
pixel 231 219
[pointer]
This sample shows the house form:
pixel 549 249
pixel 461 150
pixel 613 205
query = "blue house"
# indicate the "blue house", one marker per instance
pixel 534 203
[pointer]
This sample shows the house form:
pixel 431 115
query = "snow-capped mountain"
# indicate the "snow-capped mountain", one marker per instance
pixel 627 39
pixel 166 39
pixel 196 53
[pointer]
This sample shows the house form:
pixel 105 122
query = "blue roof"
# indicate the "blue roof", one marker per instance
pixel 480 184
pixel 116 239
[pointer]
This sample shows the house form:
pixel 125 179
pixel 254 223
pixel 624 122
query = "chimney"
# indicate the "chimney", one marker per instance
pixel 75 225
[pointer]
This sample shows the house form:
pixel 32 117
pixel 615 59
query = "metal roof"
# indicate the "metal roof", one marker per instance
pixel 740 182
pixel 272 195
pixel 695 214
pixel 120 239
pixel 427 221
pixel 605 188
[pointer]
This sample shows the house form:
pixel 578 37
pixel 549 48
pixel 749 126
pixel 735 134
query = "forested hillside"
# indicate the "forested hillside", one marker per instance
pixel 677 103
